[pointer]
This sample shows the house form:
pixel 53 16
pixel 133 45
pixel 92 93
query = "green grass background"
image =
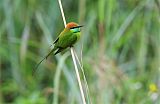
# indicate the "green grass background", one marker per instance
pixel 120 56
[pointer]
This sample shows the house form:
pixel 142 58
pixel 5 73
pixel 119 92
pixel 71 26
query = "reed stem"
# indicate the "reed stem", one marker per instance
pixel 73 58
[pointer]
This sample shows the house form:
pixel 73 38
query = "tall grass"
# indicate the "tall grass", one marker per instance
pixel 121 53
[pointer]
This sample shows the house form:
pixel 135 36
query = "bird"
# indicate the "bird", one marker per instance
pixel 67 38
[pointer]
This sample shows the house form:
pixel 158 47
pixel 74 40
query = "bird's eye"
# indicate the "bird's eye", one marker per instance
pixel 75 30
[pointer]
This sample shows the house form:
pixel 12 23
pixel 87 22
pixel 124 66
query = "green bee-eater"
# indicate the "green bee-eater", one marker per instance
pixel 67 38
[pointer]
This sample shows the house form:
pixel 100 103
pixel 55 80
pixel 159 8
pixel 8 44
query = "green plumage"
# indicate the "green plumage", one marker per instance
pixel 67 38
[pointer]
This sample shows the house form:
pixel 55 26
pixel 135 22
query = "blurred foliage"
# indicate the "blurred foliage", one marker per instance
pixel 121 51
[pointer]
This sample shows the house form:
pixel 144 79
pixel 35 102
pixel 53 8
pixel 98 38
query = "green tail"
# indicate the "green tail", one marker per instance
pixel 36 67
pixel 50 53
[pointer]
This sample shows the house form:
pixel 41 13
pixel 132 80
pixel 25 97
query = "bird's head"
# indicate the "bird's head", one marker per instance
pixel 74 27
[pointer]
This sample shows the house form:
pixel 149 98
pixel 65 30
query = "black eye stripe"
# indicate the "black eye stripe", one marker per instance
pixel 76 27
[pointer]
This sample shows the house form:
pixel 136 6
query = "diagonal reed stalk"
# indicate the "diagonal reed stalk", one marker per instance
pixel 84 77
pixel 78 77
pixel 73 58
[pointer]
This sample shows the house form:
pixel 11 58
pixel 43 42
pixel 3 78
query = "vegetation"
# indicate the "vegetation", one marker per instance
pixel 119 48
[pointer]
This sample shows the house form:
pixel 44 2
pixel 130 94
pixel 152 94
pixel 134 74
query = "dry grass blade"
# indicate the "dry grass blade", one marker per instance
pixel 84 78
pixel 73 57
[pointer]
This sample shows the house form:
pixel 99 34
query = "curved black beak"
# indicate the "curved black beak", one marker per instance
pixel 80 26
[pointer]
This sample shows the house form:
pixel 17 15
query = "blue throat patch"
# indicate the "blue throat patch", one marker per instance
pixel 75 30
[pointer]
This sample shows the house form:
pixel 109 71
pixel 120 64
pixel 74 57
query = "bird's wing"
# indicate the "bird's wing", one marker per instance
pixel 56 40
pixel 66 40
pixel 61 34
